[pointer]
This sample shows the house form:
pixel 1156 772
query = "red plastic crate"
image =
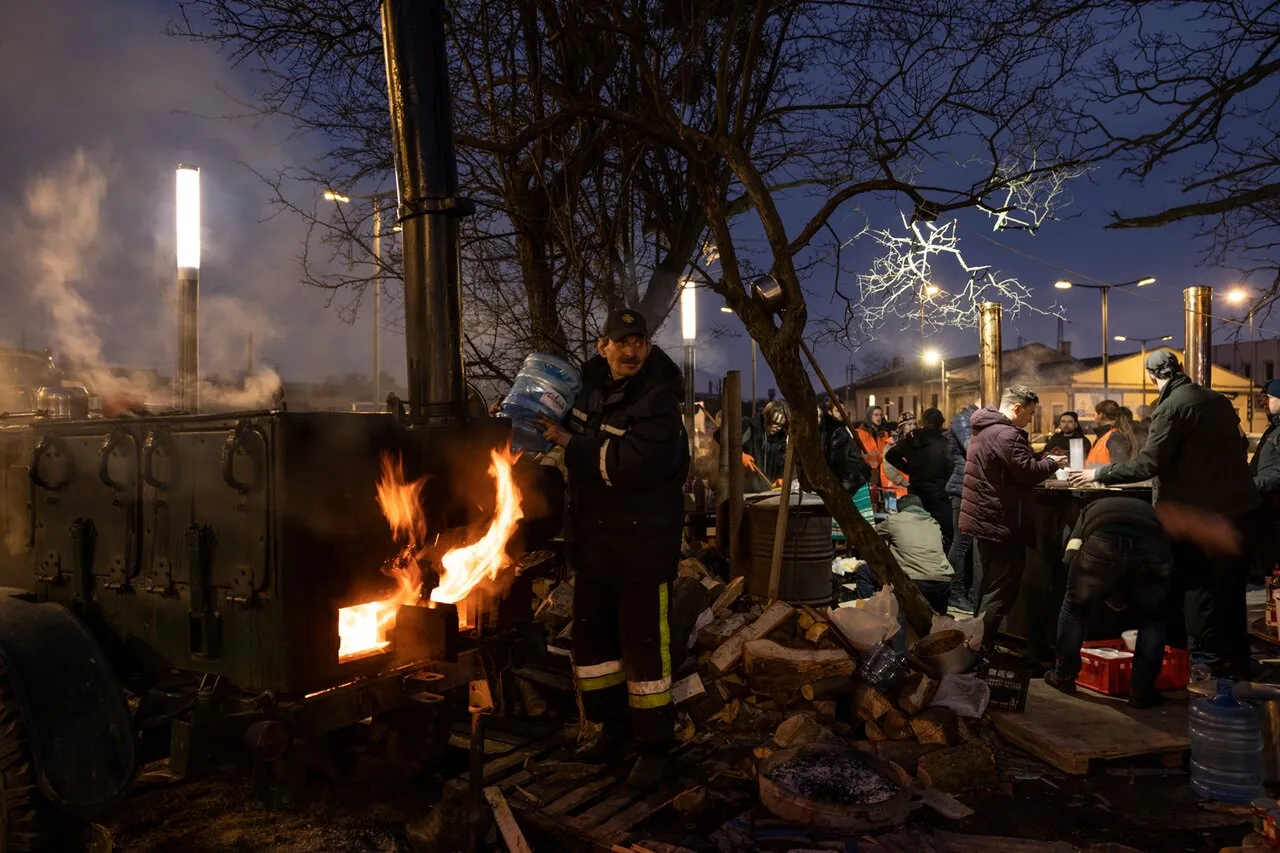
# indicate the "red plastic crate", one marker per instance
pixel 1113 676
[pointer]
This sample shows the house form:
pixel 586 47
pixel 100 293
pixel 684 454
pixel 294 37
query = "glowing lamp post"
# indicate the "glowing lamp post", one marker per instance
pixel 188 257
pixel 931 357
pixel 689 331
pixel 1063 284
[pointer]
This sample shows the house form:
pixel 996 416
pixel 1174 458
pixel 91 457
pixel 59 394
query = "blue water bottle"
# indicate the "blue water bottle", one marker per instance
pixel 1226 747
pixel 546 385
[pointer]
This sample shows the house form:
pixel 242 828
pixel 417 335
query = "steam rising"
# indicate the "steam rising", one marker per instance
pixel 62 242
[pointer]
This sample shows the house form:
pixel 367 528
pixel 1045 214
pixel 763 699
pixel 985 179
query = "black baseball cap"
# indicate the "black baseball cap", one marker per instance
pixel 623 322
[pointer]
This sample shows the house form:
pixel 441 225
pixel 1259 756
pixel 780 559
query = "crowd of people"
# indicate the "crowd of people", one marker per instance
pixel 966 512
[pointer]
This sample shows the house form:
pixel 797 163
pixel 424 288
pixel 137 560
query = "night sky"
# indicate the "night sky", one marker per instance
pixel 103 79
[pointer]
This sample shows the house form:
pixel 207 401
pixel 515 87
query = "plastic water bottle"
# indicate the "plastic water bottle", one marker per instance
pixel 546 385
pixel 1226 747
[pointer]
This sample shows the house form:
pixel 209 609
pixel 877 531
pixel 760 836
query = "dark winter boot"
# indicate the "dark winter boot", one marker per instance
pixel 650 769
pixel 1067 686
pixel 609 746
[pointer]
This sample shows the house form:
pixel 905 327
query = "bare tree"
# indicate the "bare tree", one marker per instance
pixel 572 215
pixel 1193 94
pixel 887 99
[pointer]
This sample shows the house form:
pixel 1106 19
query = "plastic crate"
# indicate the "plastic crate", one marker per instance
pixel 1009 678
pixel 1113 677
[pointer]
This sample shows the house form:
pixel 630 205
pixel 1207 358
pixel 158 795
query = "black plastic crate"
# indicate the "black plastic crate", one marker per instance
pixel 1009 678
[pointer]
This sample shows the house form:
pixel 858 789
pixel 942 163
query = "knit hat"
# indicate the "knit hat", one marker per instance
pixel 1273 388
pixel 1163 364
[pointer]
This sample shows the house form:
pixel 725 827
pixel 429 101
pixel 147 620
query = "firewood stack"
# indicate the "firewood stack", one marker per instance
pixel 771 676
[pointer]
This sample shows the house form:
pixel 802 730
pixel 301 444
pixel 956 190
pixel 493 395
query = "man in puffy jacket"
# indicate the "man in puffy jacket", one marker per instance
pixel 925 457
pixel 998 506
pixel 1197 455
pixel 962 556
pixel 627 457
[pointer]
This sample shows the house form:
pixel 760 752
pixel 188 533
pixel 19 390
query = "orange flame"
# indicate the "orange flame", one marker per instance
pixel 363 628
pixel 465 567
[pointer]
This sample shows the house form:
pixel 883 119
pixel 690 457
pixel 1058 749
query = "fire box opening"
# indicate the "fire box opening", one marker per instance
pixel 365 629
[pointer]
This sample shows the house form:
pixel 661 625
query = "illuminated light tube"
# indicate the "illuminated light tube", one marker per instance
pixel 188 220
pixel 688 311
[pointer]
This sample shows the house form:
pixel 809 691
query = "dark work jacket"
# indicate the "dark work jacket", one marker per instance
pixel 1266 463
pixel 1194 451
pixel 999 476
pixel 627 462
pixel 958 434
pixel 1061 441
pixel 925 457
pixel 1130 519
pixel 843 456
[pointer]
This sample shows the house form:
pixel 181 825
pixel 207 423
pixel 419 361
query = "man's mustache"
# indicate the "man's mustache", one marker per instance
pixel 631 361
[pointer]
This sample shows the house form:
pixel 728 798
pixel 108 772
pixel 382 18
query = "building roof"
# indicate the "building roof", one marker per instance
pixel 1046 364
pixel 1129 371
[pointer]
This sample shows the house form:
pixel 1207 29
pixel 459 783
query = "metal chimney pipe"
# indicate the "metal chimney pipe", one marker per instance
pixel 413 38
pixel 1198 301
pixel 187 204
pixel 989 352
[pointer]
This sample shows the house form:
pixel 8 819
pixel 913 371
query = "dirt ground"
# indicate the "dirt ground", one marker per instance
pixel 362 808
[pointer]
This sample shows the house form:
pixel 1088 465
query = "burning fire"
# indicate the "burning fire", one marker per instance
pixel 362 628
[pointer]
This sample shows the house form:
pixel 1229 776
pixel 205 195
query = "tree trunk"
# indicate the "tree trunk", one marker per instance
pixel 797 388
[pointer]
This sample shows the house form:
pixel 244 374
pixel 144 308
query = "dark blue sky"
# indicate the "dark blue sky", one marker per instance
pixel 103 78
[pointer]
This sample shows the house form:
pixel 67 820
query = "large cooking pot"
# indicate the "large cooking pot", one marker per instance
pixel 63 401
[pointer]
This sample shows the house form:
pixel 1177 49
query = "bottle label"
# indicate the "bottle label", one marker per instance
pixel 554 402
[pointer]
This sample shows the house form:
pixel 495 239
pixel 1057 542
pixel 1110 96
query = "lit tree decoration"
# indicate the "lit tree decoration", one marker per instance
pixel 1033 197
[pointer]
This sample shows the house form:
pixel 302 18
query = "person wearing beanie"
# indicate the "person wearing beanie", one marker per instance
pixel 1266 460
pixel 925 457
pixel 1205 495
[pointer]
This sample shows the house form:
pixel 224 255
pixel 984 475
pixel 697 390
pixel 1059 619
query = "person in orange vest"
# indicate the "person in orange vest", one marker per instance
pixel 1116 441
pixel 874 438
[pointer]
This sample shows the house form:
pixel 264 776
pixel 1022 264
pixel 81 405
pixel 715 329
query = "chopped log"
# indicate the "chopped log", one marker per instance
pixel 936 726
pixel 805 619
pixel 780 672
pixel 720 630
pixel 511 834
pixel 959 768
pixel 687 688
pixel 729 595
pixel 825 708
pixel 917 693
pixel 816 633
pixel 534 705
pixel 874 732
pixel 557 605
pixel 800 730
pixel 728 714
pixel 896 726
pixel 870 704
pixel 691 568
pixel 904 753
pixel 690 801
pixel 729 655
pixel 836 685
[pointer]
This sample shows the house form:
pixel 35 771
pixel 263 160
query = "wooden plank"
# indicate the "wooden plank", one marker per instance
pixel 506 821
pixel 780 527
pixel 499 767
pixel 604 810
pixel 1070 731
pixel 612 830
pixel 728 596
pixel 580 795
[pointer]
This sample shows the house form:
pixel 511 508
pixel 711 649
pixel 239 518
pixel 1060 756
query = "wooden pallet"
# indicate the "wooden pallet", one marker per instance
pixel 1070 732
pixel 593 804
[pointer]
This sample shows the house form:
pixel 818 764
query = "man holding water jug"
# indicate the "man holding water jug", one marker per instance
pixel 627 456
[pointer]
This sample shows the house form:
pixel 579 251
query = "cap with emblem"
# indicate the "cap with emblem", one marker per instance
pixel 1163 364
pixel 623 322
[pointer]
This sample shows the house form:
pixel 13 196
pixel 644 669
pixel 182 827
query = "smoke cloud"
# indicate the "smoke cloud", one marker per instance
pixel 62 241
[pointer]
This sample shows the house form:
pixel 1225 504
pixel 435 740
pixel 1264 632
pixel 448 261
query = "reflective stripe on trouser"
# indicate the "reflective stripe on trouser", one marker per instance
pixel 621 635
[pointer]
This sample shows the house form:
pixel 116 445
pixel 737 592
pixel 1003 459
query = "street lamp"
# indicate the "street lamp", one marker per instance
pixel 187 223
pixel 928 291
pixel 1144 342
pixel 377 199
pixel 932 356
pixel 1063 284
pixel 689 331
pixel 1241 296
